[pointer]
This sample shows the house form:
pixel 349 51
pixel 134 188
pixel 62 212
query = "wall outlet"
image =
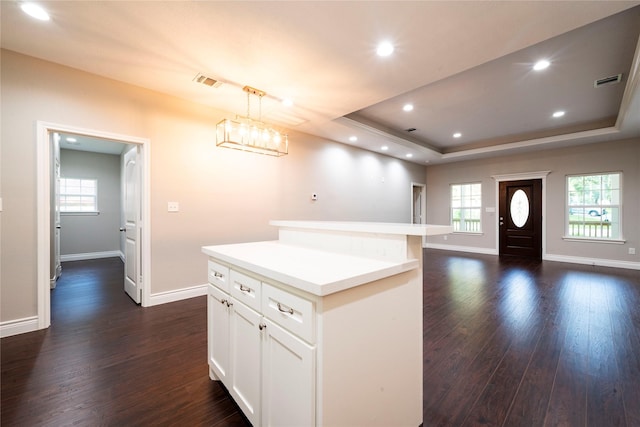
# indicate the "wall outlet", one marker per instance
pixel 445 237
pixel 632 251
pixel 173 207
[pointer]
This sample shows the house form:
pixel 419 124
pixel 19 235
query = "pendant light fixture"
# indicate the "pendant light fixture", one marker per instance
pixel 248 134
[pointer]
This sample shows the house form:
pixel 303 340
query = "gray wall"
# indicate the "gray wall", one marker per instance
pixel 622 156
pixel 81 234
pixel 225 195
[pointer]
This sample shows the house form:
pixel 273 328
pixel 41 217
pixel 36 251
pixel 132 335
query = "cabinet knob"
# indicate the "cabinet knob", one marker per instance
pixel 262 326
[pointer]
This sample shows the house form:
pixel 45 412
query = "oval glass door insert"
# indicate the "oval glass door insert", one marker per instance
pixel 519 208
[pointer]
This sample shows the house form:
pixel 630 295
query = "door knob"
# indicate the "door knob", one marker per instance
pixel 58 227
pixel 122 229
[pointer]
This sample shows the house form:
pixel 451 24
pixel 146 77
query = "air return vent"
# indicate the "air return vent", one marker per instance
pixel 608 80
pixel 207 81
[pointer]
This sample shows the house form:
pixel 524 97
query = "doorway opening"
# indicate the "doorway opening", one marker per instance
pixel 418 206
pixel 46 220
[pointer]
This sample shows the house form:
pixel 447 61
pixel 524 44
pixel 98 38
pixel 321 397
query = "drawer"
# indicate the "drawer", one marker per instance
pixel 219 275
pixel 245 289
pixel 290 311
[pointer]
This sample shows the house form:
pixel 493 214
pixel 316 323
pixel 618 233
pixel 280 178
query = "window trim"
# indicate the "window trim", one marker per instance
pixel 480 230
pixel 92 212
pixel 617 240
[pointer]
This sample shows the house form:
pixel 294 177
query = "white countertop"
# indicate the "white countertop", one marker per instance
pixel 317 272
pixel 368 227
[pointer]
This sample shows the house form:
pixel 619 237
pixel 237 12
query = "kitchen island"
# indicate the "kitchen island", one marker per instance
pixel 323 326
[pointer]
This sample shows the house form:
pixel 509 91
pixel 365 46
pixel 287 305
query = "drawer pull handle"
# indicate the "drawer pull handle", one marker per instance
pixel 244 288
pixel 285 310
pixel 262 326
pixel 229 304
pixel 218 275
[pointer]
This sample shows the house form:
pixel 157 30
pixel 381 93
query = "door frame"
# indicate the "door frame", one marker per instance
pixel 43 206
pixel 423 206
pixel 542 175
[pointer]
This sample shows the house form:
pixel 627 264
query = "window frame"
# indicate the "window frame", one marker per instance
pixel 62 193
pixel 568 207
pixel 465 207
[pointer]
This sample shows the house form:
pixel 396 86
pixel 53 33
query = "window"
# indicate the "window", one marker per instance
pixel 78 195
pixel 593 206
pixel 466 204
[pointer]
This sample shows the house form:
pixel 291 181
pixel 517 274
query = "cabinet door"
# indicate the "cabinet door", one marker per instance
pixel 218 310
pixel 246 360
pixel 288 379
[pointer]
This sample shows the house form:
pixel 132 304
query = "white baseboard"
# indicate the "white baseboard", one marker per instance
pixel 547 257
pixel 472 249
pixel 18 326
pixel 177 295
pixel 593 261
pixel 91 255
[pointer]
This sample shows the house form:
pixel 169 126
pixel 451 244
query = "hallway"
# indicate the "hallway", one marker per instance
pixel 106 361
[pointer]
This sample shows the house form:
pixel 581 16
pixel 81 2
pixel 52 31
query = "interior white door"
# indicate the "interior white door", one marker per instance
pixel 56 265
pixel 132 225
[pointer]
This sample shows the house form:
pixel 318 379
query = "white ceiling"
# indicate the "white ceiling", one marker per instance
pixel 464 65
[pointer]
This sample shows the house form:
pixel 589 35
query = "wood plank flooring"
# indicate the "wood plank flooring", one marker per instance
pixel 508 342
pixel 514 342
pixel 107 362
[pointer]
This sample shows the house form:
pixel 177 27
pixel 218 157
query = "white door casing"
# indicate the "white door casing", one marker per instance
pixel 43 207
pixel 132 279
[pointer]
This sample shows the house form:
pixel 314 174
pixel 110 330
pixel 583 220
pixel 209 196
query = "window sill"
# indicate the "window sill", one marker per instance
pixel 590 240
pixel 80 213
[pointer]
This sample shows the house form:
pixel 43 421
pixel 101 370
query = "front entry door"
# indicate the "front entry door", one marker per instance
pixel 520 218
pixel 132 282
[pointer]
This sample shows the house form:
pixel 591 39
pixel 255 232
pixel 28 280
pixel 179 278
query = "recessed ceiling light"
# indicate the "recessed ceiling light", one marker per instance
pixel 409 155
pixel 558 114
pixel 70 139
pixel 384 49
pixel 384 148
pixel 408 107
pixel 353 138
pixel 35 11
pixel 287 102
pixel 457 135
pixel 541 65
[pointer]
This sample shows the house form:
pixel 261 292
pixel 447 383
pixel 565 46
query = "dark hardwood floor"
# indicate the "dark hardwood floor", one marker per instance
pixel 513 342
pixel 107 362
pixel 508 342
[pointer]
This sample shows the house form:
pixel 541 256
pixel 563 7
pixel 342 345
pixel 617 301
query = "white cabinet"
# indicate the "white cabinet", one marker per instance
pixel 218 318
pixel 288 379
pixel 245 337
pixel 342 307
pixel 268 371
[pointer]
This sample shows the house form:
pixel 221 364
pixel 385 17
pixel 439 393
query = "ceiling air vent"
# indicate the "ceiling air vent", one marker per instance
pixel 207 81
pixel 410 130
pixel 608 80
